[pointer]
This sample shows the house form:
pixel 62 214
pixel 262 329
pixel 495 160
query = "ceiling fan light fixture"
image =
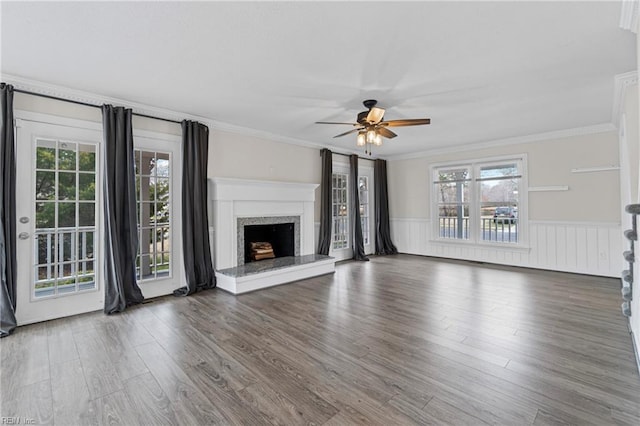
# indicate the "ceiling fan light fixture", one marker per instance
pixel 371 128
pixel 375 115
pixel 371 135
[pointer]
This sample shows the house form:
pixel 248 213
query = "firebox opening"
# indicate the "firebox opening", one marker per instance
pixel 279 235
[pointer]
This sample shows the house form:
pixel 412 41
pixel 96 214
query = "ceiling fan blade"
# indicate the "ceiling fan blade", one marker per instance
pixel 375 115
pixel 334 122
pixel 350 131
pixel 383 131
pixel 408 122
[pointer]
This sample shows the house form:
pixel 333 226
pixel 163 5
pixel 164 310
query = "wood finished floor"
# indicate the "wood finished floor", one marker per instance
pixel 397 340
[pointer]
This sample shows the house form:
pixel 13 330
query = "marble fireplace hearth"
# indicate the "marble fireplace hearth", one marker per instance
pixel 238 203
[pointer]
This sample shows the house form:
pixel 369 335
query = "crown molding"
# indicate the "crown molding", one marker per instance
pixel 629 15
pixel 538 137
pixel 96 99
pixel 621 82
pixel 215 125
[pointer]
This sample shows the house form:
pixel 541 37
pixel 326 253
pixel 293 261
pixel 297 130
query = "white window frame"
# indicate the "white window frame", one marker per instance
pixel 475 237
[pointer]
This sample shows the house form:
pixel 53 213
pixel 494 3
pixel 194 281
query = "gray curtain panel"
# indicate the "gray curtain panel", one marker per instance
pixel 355 224
pixel 195 227
pixel 121 225
pixel 8 266
pixel 326 216
pixel 381 203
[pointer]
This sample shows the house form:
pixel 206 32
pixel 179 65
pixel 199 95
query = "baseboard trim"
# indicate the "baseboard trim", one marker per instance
pixel 508 265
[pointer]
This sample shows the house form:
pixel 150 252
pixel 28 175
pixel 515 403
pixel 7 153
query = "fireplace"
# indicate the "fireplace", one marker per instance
pixel 279 235
pixel 242 203
pixel 283 232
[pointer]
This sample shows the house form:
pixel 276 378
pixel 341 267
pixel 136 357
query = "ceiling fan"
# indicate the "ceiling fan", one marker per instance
pixel 371 128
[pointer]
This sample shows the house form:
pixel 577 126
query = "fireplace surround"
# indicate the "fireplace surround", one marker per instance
pixel 241 202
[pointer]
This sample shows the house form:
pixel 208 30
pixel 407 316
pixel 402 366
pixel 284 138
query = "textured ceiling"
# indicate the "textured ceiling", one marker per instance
pixel 482 71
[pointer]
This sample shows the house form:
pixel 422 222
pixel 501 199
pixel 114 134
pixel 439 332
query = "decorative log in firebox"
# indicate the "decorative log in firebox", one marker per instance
pixel 261 250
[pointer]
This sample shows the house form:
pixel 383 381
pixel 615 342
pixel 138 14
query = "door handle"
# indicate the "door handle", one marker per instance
pixel 23 235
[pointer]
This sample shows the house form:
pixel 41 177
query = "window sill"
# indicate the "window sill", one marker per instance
pixel 521 247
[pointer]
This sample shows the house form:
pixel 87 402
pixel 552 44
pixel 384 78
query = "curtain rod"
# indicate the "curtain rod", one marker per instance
pixel 88 104
pixel 348 155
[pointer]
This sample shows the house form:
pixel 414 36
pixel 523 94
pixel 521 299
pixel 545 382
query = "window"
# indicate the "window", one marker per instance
pixel 65 207
pixel 452 187
pixel 499 202
pixel 153 194
pixel 480 201
pixel 340 211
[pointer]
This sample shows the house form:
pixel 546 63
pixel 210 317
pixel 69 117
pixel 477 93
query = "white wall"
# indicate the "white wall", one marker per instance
pixel 240 156
pixel 630 187
pixel 576 230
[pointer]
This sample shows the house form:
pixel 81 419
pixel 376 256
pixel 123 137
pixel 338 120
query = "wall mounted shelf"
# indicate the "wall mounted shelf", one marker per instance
pixel 594 169
pixel 548 188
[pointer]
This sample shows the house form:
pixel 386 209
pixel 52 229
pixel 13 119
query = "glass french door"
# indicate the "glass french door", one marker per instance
pixel 367 216
pixel 59 216
pixel 341 244
pixel 159 265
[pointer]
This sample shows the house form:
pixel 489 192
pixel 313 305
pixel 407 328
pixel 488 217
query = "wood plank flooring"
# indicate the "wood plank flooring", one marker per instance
pixel 397 340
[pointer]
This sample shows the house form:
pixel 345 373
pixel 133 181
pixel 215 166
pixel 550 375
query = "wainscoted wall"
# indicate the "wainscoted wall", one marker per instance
pixel 583 247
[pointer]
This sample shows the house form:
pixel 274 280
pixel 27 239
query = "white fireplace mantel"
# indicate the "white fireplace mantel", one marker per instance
pixel 231 189
pixel 241 198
